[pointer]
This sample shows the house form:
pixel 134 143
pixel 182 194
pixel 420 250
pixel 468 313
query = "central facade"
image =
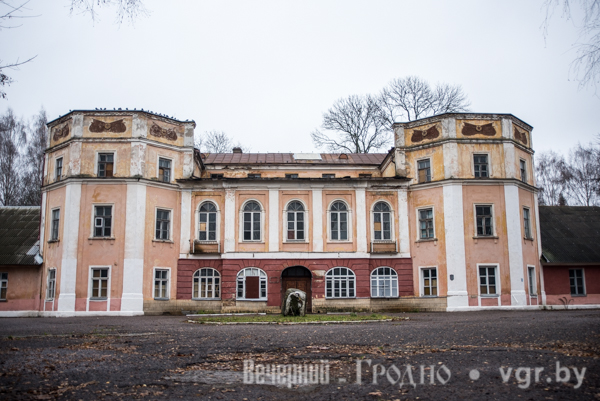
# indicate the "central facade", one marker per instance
pixel 135 220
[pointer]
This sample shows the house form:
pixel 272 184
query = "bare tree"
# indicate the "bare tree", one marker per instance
pixel 126 9
pixel 550 175
pixel 583 175
pixel 586 64
pixel 355 126
pixel 412 98
pixel 34 161
pixel 12 137
pixel 217 142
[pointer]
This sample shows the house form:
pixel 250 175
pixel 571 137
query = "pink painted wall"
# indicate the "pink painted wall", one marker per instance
pixel 23 291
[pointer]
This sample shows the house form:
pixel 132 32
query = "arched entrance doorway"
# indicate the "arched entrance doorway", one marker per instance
pixel 298 277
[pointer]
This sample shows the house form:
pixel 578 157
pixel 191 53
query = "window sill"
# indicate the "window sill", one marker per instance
pixel 252 300
pixel 349 241
pixel 209 299
pixel 49 300
pixel 98 299
pixel 52 241
pixel 3 300
pixel 578 295
pixel 166 241
pixel 426 239
pixel 102 238
pixel 379 297
pixel 528 238
pixel 161 299
pixel 251 242
pixel 429 296
pixel 490 296
pixel 340 297
pixel 486 237
pixel 295 241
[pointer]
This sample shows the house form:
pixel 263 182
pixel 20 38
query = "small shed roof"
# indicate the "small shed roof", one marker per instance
pixel 570 234
pixel 19 235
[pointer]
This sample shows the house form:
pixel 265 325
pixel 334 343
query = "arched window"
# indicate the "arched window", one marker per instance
pixel 340 282
pixel 338 220
pixel 384 282
pixel 207 284
pixel 252 284
pixel 382 226
pixel 252 212
pixel 295 221
pixel 207 226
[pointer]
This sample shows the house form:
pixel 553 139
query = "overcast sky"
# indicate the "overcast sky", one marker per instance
pixel 265 71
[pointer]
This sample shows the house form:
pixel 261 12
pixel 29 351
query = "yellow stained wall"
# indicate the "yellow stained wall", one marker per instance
pixel 436 156
pixel 495 154
pixel 122 161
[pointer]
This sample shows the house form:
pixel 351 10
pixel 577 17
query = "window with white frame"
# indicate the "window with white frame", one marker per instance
pixel 295 221
pixel 105 164
pixel 526 223
pixel 429 277
pixel 161 283
pixel 487 280
pixel 99 283
pixel 252 223
pixel 577 282
pixel 338 218
pixel 3 286
pixel 58 167
pixel 424 170
pixel 484 220
pixel 102 221
pixel 384 283
pixel 340 282
pixel 426 230
pixel 206 284
pixel 163 224
pixel 252 284
pixel 207 222
pixel 51 285
pixel 382 222
pixel 54 225
pixel 164 170
pixel 481 166
pixel 532 283
pixel 523 166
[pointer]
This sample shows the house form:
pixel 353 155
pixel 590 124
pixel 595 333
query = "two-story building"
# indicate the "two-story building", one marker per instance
pixel 135 220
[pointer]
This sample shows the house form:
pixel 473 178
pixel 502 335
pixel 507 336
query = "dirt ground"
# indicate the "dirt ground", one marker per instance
pixel 542 355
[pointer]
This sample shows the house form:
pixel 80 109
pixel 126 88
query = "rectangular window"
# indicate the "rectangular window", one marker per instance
pixel 480 165
pixel 424 167
pixel 426 223
pixel 102 221
pixel 531 277
pixel 164 170
pixel 484 221
pixel 487 280
pixel 253 175
pixel 291 176
pixel 526 223
pixel 161 284
pixel 523 170
pixel 51 287
pixel 105 164
pixel 328 175
pixel 576 281
pixel 55 224
pixel 163 223
pixel 58 168
pixel 99 283
pixel 3 286
pixel 430 282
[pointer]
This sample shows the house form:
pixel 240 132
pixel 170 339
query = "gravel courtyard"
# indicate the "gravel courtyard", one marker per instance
pixel 541 355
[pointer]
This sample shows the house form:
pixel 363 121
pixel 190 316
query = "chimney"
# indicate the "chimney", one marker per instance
pixel 237 149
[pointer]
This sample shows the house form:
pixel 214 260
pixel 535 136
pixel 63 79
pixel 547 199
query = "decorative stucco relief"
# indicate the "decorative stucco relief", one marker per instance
pixel 422 135
pixel 159 132
pixel 60 132
pixel 520 136
pixel 116 127
pixel 473 129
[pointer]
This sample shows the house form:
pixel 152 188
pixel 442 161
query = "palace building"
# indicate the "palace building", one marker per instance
pixel 135 220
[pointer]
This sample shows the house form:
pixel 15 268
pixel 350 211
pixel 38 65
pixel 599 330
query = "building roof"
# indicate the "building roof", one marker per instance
pixel 19 235
pixel 373 159
pixel 570 234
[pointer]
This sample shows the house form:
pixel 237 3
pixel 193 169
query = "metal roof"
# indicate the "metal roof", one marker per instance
pixel 373 159
pixel 19 235
pixel 570 234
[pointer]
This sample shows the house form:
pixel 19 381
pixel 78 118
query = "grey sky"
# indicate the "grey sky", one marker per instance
pixel 265 71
